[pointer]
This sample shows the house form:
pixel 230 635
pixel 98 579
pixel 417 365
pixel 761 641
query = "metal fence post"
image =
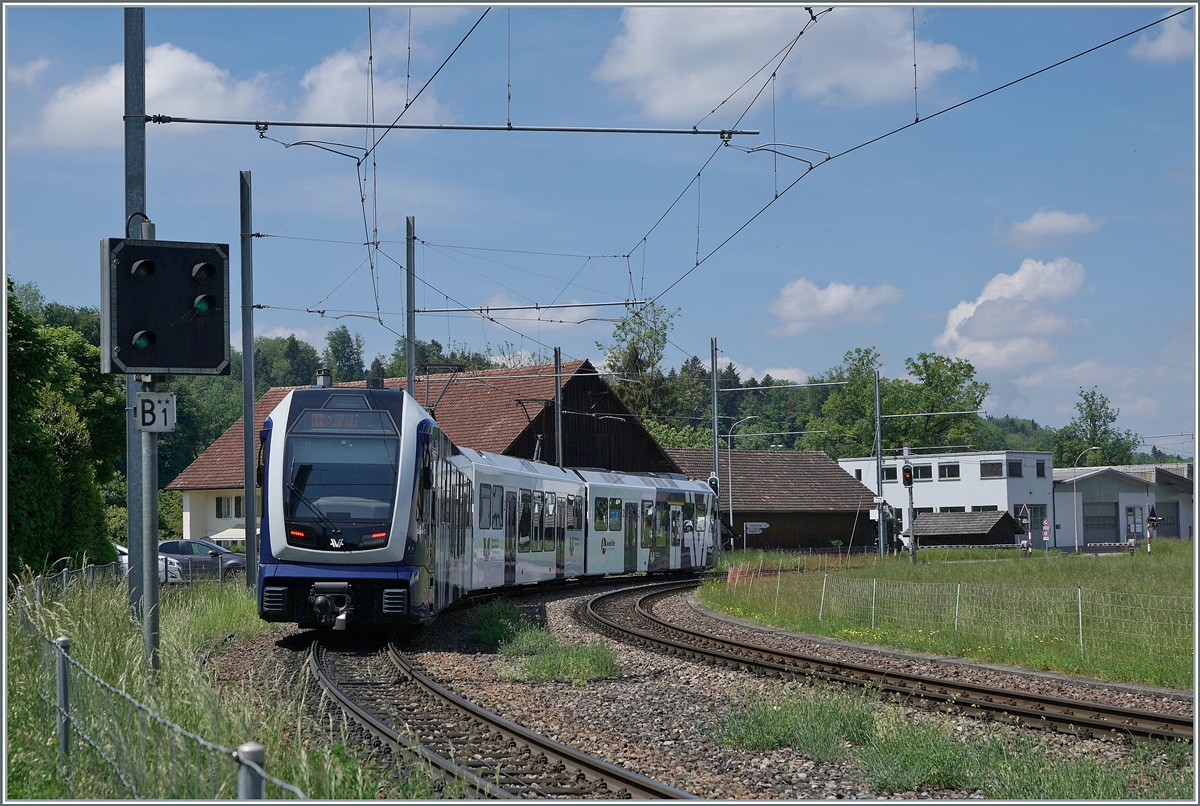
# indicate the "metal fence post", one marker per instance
pixel 249 782
pixel 957 597
pixel 874 587
pixel 821 609
pixel 1079 592
pixel 63 676
pixel 778 577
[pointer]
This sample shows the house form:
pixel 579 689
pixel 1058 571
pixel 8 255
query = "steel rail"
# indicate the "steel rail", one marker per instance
pixel 1057 713
pixel 627 783
pixel 439 765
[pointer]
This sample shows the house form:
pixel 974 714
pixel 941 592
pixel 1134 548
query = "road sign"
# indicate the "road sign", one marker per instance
pixel 156 411
pixel 757 525
pixel 1045 533
pixel 1045 523
pixel 753 530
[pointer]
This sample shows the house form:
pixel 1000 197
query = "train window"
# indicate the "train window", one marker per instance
pixel 662 514
pixel 525 522
pixel 550 535
pixel 497 507
pixel 689 517
pixel 614 514
pixel 601 522
pixel 537 520
pixel 647 524
pixel 571 512
pixel 485 506
pixel 578 512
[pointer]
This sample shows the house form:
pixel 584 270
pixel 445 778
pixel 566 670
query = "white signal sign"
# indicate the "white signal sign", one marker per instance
pixel 155 411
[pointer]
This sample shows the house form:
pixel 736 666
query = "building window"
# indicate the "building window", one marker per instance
pixel 1041 470
pixel 986 508
pixel 889 473
pixel 228 506
pixel 953 509
pixel 922 472
pixel 858 473
pixel 947 472
pixel 1014 470
pixel 991 470
pixel 237 506
pixel 920 510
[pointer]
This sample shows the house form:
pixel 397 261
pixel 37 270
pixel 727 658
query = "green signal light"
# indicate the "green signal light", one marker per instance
pixel 203 304
pixel 143 340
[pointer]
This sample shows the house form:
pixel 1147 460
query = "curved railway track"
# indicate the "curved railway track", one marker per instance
pixel 628 615
pixel 456 740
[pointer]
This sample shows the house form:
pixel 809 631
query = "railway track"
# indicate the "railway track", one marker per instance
pixel 488 756
pixel 628 615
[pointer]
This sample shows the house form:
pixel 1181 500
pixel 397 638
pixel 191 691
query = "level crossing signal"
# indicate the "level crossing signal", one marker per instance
pixel 164 307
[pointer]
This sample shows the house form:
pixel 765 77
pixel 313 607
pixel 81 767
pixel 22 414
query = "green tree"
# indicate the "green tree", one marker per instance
pixel 940 384
pixel 344 355
pixel 635 356
pixel 1093 425
pixel 283 361
pixel 55 509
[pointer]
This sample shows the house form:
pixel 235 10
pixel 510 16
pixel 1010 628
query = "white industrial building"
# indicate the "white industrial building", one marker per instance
pixel 1099 505
pixel 975 481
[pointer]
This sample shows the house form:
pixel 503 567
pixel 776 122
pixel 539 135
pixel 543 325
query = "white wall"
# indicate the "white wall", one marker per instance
pixel 969 490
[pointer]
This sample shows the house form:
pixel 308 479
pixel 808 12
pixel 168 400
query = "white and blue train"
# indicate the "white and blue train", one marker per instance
pixel 372 516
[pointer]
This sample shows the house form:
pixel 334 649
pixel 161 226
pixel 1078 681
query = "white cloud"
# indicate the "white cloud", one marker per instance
pixel 27 75
pixel 1168 42
pixel 745 372
pixel 178 82
pixel 803 306
pixel 545 320
pixel 1007 323
pixel 681 62
pixel 1046 224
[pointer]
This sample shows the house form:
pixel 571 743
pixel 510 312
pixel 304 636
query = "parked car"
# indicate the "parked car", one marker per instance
pixel 168 567
pixel 203 559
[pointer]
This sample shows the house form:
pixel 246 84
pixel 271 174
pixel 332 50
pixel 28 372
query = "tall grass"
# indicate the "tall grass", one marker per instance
pixel 533 653
pixel 311 754
pixel 1138 625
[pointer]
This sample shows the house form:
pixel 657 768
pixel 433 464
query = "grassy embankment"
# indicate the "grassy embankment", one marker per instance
pixel 1125 630
pixel 104 639
pixel 894 754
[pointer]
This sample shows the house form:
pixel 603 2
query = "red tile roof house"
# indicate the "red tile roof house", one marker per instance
pixel 507 411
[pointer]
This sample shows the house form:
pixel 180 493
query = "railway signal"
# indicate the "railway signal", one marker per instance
pixel 715 484
pixel 164 307
pixel 908 475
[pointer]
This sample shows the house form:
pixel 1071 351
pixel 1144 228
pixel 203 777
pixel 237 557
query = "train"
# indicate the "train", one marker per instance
pixel 372 516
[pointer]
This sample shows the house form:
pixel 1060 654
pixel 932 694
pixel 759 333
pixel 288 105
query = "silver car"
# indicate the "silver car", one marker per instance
pixel 168 567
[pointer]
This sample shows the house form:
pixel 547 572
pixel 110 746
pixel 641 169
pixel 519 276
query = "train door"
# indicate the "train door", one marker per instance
pixel 687 553
pixel 660 555
pixel 555 520
pixel 676 526
pixel 510 537
pixel 631 536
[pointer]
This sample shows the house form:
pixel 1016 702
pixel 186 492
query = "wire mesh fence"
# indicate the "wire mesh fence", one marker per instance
pixel 1098 624
pixel 110 745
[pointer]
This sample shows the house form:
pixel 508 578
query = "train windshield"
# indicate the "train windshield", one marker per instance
pixel 341 468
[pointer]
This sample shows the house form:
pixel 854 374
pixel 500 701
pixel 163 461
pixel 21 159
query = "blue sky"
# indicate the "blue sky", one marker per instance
pixel 1046 232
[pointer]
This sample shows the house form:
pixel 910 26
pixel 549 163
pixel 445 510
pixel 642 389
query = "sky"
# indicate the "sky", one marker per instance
pixel 1046 231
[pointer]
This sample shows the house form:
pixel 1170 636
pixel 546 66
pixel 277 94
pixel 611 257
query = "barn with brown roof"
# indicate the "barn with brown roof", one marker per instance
pixel 807 499
pixel 508 411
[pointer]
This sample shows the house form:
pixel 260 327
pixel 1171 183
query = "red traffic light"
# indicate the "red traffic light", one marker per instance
pixel 908 475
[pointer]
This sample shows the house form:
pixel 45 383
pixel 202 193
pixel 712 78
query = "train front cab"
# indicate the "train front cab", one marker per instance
pixel 338 545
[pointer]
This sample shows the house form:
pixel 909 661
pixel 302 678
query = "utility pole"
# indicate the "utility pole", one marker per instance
pixel 410 331
pixel 135 206
pixel 912 518
pixel 879 467
pixel 558 435
pixel 249 508
pixel 716 471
